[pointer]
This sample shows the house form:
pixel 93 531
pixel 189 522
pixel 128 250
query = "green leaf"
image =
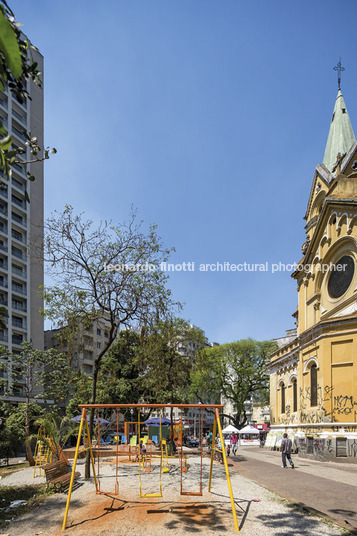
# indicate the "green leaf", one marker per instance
pixel 5 143
pixel 10 47
pixel 3 131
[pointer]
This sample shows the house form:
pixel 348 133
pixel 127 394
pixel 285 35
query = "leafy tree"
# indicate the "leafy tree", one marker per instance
pixel 105 273
pixel 16 68
pixel 235 371
pixel 57 431
pixel 38 375
pixel 166 355
pixel 11 435
pixel 120 377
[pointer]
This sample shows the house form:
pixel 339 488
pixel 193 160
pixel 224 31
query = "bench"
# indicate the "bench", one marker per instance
pixel 59 473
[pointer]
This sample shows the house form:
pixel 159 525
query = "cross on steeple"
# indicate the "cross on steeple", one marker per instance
pixel 339 70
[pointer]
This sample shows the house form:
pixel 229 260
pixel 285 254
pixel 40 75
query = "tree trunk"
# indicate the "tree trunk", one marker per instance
pixel 91 417
pixel 29 454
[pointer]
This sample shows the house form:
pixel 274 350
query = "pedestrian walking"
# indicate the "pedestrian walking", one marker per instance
pixel 234 443
pixel 285 448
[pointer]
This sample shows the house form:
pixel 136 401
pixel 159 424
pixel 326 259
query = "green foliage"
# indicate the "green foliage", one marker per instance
pixel 235 371
pixel 56 431
pixel 82 385
pixel 165 359
pixel 16 68
pixel 43 376
pixel 9 46
pixel 120 378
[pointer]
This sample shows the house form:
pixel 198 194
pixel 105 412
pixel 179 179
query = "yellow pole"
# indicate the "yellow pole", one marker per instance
pixel 73 469
pixel 212 451
pixel 227 471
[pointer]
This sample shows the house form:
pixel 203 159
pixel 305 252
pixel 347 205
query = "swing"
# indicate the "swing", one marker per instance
pixel 116 487
pixel 147 468
pixel 184 469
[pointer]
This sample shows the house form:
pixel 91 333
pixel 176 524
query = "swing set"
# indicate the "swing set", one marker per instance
pixel 145 456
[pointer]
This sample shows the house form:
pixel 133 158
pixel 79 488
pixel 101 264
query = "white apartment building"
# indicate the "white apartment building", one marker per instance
pixel 21 229
pixel 88 344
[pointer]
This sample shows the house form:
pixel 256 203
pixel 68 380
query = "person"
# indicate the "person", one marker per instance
pixel 209 440
pixel 234 443
pixel 219 447
pixel 285 448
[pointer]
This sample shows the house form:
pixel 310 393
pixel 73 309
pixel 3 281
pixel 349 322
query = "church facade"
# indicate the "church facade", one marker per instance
pixel 313 374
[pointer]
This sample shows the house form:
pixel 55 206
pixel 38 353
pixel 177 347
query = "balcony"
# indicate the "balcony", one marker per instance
pixel 3 247
pixel 19 306
pixel 19 393
pixel 18 184
pixel 19 169
pixel 18 219
pixel 3 337
pixel 3 103
pixel 3 228
pixel 18 236
pixel 17 271
pixel 18 202
pixel 17 253
pixel 3 264
pixel 4 192
pixel 3 301
pixel 17 339
pixel 3 210
pixel 3 283
pixel 19 289
pixel 19 323
pixel 19 134
pixel 19 117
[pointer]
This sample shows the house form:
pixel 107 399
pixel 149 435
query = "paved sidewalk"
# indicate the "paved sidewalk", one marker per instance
pixel 328 488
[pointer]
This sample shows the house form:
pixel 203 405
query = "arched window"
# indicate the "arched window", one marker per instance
pixel 282 394
pixel 294 383
pixel 313 384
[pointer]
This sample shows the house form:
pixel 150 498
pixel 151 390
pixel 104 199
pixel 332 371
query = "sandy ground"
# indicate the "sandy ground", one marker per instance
pixel 260 512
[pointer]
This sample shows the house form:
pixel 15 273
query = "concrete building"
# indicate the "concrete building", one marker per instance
pixel 21 228
pixel 314 374
pixel 87 345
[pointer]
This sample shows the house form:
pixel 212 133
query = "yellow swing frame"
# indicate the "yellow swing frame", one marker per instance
pixel 216 426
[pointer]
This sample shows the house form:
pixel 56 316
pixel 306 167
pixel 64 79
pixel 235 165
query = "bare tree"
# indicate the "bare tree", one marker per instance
pixel 105 272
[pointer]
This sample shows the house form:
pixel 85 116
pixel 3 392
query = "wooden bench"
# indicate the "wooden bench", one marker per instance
pixel 59 473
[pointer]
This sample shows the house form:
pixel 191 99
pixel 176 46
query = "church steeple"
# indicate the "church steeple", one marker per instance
pixel 341 136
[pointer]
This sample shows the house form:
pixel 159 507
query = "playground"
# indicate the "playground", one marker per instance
pixel 140 485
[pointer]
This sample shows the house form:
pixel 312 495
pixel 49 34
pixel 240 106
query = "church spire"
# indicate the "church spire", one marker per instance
pixel 341 136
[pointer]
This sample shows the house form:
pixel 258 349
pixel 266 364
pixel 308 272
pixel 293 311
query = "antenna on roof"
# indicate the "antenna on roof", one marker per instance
pixel 339 70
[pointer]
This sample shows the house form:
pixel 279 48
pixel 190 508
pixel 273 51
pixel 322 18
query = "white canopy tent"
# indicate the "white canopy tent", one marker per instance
pixel 249 436
pixel 230 429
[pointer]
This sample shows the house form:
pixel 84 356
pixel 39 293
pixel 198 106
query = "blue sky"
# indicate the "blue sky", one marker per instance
pixel 209 117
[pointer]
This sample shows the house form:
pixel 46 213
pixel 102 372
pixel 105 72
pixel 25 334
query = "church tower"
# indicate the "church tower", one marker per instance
pixel 314 376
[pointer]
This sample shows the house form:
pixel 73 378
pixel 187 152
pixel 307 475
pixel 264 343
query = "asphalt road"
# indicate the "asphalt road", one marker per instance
pixel 326 488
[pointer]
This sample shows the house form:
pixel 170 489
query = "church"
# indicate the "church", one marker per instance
pixel 313 373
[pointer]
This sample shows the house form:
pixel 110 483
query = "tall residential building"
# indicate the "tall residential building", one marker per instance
pixel 21 227
pixel 313 373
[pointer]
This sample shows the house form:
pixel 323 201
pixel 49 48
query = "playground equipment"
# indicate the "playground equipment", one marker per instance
pixel 43 453
pixel 183 461
pixel 183 464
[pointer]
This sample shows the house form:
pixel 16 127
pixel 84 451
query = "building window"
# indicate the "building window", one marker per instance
pixel 282 391
pixel 294 395
pixel 98 345
pixel 99 331
pixel 313 384
pixel 106 334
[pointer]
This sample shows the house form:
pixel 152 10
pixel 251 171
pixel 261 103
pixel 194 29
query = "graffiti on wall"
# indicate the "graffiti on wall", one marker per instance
pixel 329 407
